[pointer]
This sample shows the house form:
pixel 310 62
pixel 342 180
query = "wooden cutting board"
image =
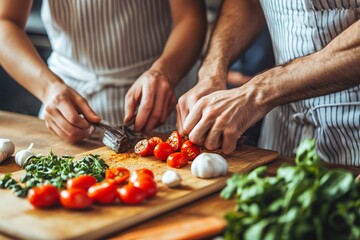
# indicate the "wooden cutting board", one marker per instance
pixel 21 220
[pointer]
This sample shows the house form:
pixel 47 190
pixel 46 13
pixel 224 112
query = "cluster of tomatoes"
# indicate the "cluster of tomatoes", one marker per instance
pixel 174 151
pixel 81 192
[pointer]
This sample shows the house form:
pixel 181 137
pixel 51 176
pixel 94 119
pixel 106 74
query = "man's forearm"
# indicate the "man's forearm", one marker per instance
pixel 334 68
pixel 237 26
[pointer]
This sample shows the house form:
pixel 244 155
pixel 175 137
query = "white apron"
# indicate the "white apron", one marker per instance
pixel 299 28
pixel 100 47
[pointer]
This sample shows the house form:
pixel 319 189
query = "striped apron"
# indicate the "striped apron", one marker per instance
pixel 299 28
pixel 100 47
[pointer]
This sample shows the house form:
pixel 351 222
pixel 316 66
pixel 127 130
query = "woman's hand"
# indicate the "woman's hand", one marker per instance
pixel 155 96
pixel 63 107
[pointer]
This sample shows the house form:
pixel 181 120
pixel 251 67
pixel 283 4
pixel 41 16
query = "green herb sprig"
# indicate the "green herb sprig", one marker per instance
pixel 305 201
pixel 55 170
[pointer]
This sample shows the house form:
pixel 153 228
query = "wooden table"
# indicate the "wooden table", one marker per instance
pixel 23 130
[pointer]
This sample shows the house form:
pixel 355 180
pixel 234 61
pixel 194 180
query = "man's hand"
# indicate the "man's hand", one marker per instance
pixel 155 96
pixel 62 108
pixel 219 119
pixel 205 86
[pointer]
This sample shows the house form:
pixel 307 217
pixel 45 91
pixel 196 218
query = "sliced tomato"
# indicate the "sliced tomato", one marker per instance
pixel 175 140
pixel 144 171
pixel 177 160
pixel 103 193
pixel 129 194
pixel 45 196
pixel 117 175
pixel 190 149
pixel 143 148
pixel 83 182
pixel 148 185
pixel 163 150
pixel 154 141
pixel 75 198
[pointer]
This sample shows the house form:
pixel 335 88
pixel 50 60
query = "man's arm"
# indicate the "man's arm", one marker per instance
pixel 238 24
pixel 222 117
pixel 154 90
pixel 332 69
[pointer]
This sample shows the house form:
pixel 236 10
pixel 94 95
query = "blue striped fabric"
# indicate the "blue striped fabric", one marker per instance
pixel 299 28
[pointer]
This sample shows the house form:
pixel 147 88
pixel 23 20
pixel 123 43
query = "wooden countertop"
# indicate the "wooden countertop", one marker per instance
pixel 23 130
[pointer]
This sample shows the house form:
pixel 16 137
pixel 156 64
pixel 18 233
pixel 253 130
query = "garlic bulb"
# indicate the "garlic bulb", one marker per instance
pixel 209 165
pixel 7 148
pixel 171 179
pixel 23 155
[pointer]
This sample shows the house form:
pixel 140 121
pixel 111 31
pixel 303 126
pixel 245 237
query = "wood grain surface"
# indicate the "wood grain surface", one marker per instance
pixel 21 220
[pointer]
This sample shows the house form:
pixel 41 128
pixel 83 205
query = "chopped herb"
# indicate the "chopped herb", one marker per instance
pixel 55 170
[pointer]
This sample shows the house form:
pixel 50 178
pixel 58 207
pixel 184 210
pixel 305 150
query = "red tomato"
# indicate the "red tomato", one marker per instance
pixel 177 160
pixel 163 150
pixel 117 175
pixel 136 175
pixel 141 171
pixel 143 148
pixel 82 182
pixel 175 140
pixel 154 141
pixel 190 149
pixel 147 185
pixel 75 198
pixel 102 193
pixel 44 197
pixel 130 194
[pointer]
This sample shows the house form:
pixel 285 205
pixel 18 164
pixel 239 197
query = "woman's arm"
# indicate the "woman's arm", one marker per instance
pixel 153 91
pixel 21 60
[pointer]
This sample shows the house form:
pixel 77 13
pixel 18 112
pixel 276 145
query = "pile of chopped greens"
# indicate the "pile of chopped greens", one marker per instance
pixel 305 201
pixel 55 170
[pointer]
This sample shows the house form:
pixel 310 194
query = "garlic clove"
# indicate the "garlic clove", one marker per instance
pixel 171 179
pixel 23 155
pixel 6 146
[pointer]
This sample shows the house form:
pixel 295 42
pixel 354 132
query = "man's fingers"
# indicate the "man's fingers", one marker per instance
pixel 213 139
pixel 199 132
pixel 192 119
pixel 179 122
pixel 229 140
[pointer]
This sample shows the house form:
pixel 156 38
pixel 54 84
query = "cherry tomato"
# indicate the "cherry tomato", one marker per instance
pixel 147 185
pixel 143 148
pixel 137 175
pixel 44 196
pixel 190 149
pixel 75 198
pixel 154 141
pixel 130 194
pixel 102 193
pixel 175 140
pixel 117 175
pixel 163 150
pixel 82 182
pixel 177 160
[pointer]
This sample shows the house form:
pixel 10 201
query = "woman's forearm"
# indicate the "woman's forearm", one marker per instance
pixel 21 60
pixel 185 41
